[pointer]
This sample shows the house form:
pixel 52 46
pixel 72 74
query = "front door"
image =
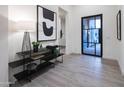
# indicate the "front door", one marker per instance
pixel 92 35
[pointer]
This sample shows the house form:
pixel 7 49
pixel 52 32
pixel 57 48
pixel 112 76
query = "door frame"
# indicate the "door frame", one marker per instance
pixel 101 15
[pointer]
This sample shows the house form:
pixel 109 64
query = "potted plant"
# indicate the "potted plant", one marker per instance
pixel 35 46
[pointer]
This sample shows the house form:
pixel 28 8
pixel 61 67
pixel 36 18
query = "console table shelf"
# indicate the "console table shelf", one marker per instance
pixel 27 74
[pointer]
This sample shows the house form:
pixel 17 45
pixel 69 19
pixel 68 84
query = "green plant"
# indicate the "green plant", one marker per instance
pixel 35 43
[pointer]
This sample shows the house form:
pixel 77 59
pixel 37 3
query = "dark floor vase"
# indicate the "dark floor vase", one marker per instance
pixel 35 48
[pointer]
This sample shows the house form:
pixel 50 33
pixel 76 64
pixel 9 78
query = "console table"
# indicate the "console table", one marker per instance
pixel 30 56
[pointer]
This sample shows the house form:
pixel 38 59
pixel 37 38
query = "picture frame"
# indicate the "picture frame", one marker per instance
pixel 118 18
pixel 46 24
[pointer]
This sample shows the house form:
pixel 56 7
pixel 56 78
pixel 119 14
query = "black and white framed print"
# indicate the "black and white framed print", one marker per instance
pixel 119 25
pixel 46 24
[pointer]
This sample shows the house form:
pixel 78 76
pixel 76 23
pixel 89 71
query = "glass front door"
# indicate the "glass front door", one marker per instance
pixel 92 35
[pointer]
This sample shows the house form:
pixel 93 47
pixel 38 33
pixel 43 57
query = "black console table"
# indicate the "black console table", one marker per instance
pixel 30 56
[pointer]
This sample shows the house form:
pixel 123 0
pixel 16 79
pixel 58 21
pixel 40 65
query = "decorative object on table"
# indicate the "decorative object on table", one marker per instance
pixel 35 46
pixel 26 27
pixel 53 49
pixel 61 34
pixel 46 24
pixel 118 17
pixel 32 66
pixel 56 52
pixel 41 46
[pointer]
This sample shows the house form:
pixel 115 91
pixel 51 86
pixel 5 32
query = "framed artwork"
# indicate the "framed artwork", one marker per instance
pixel 118 17
pixel 46 24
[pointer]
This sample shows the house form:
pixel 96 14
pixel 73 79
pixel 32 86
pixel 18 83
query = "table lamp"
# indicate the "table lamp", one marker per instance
pixel 26 27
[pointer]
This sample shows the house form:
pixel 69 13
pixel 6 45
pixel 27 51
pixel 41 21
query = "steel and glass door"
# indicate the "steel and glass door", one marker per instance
pixel 92 35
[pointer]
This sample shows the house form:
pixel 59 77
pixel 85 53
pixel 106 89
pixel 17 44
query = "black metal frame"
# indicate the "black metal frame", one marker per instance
pixel 118 26
pixel 101 16
pixel 26 73
pixel 37 25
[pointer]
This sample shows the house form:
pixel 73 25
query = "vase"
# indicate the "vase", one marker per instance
pixel 35 48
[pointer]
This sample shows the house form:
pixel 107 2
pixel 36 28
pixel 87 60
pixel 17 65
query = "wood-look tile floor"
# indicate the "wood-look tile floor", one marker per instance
pixel 80 71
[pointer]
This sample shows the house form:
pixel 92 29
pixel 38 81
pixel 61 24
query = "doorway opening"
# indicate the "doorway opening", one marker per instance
pixel 92 35
pixel 62 34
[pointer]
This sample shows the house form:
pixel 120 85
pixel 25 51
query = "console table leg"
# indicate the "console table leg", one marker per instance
pixel 62 58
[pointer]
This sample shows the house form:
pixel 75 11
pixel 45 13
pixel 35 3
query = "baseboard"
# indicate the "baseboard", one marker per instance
pixel 121 68
pixel 4 85
pixel 122 72
pixel 114 60
pixel 75 54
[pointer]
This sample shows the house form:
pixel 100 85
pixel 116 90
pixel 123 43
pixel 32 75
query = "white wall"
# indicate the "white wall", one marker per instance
pixel 15 14
pixel 28 12
pixel 109 28
pixel 121 43
pixel 3 46
pixel 62 41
